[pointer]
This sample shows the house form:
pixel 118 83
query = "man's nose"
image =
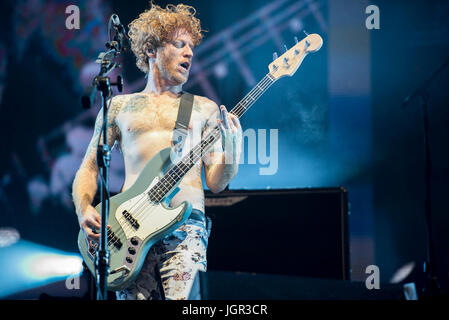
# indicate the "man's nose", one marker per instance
pixel 188 52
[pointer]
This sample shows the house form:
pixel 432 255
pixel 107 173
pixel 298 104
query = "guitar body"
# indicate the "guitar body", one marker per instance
pixel 136 223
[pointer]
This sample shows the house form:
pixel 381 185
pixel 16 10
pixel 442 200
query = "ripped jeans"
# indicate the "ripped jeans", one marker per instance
pixel 173 262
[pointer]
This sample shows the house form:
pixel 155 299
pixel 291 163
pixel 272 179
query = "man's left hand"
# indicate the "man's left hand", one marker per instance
pixel 231 132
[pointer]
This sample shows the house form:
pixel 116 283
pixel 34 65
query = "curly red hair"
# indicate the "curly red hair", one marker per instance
pixel 157 25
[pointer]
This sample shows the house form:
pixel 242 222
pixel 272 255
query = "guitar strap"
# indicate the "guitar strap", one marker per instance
pixel 182 122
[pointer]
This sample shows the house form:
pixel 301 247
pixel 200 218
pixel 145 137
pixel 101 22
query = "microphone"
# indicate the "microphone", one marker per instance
pixel 119 27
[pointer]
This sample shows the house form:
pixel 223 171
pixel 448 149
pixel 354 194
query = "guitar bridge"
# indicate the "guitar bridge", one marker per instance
pixel 124 269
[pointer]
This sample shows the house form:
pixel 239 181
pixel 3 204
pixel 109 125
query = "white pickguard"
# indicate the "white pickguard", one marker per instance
pixel 150 216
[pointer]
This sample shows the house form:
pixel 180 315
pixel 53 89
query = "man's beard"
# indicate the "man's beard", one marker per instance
pixel 174 76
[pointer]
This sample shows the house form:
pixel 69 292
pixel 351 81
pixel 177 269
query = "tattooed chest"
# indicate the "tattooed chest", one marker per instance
pixel 142 122
pixel 139 116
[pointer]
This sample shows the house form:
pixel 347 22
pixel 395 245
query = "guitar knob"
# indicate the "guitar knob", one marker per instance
pixel 129 260
pixel 134 241
pixel 132 251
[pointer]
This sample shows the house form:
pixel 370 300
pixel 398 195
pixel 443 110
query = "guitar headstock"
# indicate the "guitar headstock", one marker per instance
pixel 289 62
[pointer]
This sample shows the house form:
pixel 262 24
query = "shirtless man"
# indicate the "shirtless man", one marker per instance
pixel 142 124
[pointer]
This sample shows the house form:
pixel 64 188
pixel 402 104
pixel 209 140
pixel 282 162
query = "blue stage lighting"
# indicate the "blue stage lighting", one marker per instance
pixel 26 265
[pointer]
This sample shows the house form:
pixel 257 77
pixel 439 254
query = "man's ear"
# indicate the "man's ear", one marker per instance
pixel 151 53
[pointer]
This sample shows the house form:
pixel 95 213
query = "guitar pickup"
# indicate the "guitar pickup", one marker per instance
pixel 131 220
pixel 113 239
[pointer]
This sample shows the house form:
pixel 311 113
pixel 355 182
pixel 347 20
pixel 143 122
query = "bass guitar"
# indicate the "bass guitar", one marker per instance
pixel 141 216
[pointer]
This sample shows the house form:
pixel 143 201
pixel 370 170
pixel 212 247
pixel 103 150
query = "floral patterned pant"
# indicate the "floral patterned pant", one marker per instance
pixel 173 264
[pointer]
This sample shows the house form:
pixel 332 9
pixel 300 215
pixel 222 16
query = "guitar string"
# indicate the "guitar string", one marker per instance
pixel 243 105
pixel 237 109
pixel 240 106
pixel 170 174
pixel 140 203
pixel 262 86
pixel 164 189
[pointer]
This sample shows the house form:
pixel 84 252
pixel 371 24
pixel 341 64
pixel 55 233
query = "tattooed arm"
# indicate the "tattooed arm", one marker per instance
pixel 222 163
pixel 85 183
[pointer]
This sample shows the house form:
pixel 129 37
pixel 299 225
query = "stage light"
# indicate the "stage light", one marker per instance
pixel 295 25
pixel 220 70
pixel 26 265
pixel 44 266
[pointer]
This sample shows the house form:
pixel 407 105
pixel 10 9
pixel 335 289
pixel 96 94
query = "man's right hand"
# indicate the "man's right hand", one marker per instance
pixel 88 220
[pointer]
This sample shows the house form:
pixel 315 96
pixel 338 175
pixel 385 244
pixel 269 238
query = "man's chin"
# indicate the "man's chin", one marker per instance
pixel 180 80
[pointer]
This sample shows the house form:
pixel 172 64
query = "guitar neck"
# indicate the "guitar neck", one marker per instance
pixel 252 96
pixel 178 171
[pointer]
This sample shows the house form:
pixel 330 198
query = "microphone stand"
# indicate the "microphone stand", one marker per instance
pixel 431 286
pixel 102 84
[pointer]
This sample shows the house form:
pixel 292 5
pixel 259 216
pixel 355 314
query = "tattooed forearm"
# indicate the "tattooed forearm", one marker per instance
pixel 85 182
pixel 222 165
pixel 219 174
pixel 113 132
pixel 94 141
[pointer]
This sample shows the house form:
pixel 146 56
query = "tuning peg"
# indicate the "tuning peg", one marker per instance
pixel 296 40
pixel 305 32
pixel 285 48
pixel 275 56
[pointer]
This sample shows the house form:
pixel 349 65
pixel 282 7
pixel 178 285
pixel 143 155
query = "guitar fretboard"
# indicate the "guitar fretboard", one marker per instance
pixel 179 170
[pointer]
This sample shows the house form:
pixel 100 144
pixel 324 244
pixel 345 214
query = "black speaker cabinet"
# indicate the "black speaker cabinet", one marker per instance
pixel 298 232
pixel 221 285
